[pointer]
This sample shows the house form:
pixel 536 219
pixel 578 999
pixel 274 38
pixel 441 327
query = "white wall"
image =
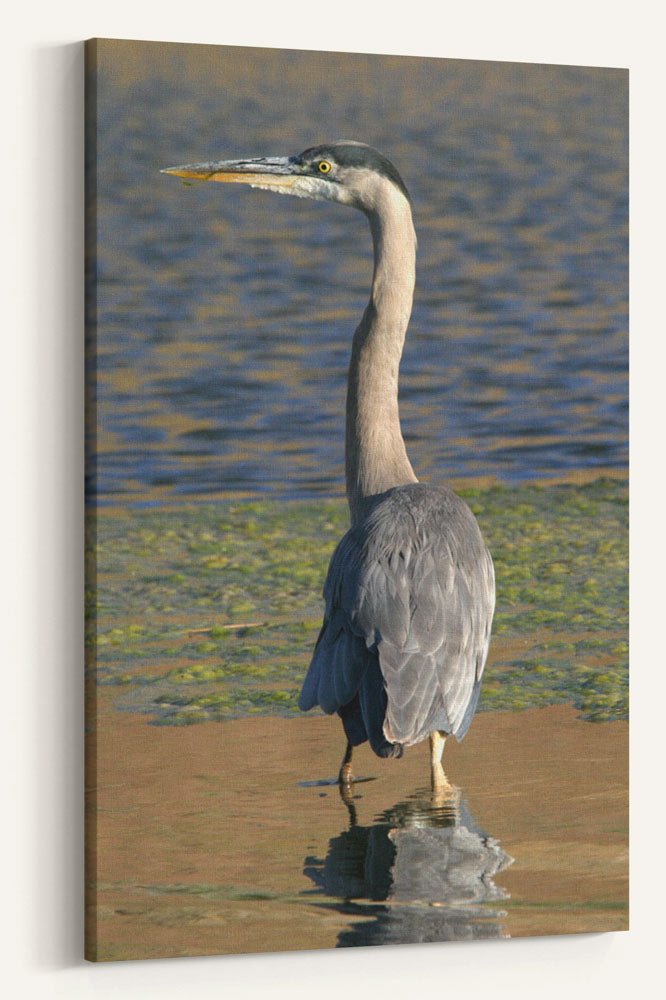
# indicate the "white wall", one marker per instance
pixel 41 718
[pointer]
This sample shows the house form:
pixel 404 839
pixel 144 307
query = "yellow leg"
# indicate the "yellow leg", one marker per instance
pixel 346 777
pixel 438 779
pixel 347 796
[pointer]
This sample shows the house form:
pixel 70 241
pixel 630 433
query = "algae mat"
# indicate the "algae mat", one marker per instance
pixel 210 612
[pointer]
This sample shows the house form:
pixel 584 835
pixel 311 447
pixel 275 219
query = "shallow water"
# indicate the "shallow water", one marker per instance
pixel 227 836
pixel 225 315
pixel 207 843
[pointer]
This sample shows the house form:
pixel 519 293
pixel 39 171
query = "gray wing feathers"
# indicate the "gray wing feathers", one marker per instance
pixel 414 584
pixel 415 703
pixel 336 669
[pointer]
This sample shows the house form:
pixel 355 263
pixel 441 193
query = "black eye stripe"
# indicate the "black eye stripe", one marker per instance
pixel 353 155
pixel 312 167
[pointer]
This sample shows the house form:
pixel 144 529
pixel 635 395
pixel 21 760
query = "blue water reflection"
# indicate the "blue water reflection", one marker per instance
pixel 225 315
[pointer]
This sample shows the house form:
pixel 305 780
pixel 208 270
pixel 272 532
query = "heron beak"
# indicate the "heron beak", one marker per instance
pixel 268 171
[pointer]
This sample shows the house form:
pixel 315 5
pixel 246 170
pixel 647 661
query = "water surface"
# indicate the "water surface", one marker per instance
pixel 225 315
pixel 206 843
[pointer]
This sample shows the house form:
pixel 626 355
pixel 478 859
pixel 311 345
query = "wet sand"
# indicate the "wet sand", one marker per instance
pixel 203 833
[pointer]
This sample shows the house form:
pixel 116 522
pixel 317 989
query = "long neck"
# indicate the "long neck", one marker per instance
pixel 375 455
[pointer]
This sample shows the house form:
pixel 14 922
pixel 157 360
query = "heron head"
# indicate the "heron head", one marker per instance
pixel 348 172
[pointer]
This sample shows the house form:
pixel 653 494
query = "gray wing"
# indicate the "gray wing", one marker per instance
pixel 344 670
pixel 410 590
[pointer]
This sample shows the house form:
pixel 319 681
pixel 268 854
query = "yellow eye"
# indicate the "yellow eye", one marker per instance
pixel 324 167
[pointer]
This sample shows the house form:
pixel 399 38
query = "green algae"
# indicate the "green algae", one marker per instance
pixel 211 611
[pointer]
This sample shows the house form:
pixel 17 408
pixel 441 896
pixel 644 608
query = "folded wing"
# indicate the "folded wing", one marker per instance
pixel 409 603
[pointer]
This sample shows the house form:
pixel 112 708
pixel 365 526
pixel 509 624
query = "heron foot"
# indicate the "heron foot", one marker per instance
pixel 346 777
pixel 438 780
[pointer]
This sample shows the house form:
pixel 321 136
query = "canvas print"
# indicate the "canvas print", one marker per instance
pixel 356 500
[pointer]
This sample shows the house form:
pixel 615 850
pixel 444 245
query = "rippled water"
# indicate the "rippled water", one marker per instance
pixel 225 315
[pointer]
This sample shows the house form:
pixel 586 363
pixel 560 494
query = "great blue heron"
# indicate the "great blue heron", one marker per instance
pixel 410 591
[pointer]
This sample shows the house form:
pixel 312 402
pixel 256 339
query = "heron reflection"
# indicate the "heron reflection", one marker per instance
pixel 423 871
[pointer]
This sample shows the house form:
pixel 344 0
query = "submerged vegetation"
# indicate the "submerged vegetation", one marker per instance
pixel 211 611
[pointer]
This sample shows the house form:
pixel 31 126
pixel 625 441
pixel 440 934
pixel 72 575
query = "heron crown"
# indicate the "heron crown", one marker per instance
pixel 351 154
